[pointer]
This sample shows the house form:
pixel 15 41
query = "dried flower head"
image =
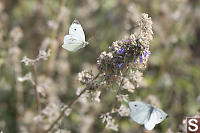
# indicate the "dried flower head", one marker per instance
pixel 135 77
pixel 67 111
pixel 16 34
pixel 27 77
pixel 110 122
pixel 122 111
pixel 51 111
pixel 128 85
pixel 86 78
pixel 43 55
pixel 122 98
pixel 89 95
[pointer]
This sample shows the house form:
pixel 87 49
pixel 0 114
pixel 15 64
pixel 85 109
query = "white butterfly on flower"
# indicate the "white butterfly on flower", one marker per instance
pixel 146 114
pixel 76 38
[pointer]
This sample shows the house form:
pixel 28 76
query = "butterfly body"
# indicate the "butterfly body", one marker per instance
pixel 76 38
pixel 146 114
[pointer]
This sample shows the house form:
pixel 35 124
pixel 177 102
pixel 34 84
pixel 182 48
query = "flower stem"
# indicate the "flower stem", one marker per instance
pixel 37 95
pixel 69 105
pixel 118 91
pixel 115 102
pixel 35 88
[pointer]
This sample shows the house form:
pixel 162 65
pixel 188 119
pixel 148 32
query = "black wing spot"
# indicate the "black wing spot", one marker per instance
pixel 75 29
pixel 160 117
pixel 135 105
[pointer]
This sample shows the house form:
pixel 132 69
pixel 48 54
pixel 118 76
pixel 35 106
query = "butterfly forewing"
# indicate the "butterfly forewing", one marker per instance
pixel 140 111
pixel 76 30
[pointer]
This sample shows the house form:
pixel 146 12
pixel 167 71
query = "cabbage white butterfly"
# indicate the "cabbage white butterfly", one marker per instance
pixel 146 114
pixel 76 38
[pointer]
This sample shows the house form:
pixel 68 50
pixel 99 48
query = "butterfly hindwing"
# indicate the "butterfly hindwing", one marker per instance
pixel 71 43
pixel 161 115
pixel 156 117
pixel 151 122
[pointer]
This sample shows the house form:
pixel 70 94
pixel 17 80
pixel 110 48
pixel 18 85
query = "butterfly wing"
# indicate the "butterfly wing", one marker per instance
pixel 161 115
pixel 140 111
pixel 76 30
pixel 150 124
pixel 71 43
pixel 157 116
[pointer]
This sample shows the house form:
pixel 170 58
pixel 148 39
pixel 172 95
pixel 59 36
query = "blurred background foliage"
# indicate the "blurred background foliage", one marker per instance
pixel 171 80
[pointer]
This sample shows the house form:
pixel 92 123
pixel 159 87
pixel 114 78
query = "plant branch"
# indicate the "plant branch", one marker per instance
pixel 35 88
pixel 69 105
pixel 118 91
pixel 115 102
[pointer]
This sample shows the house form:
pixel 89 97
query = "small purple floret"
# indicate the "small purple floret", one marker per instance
pixel 141 59
pixel 121 50
pixel 146 53
pixel 120 66
pixel 125 40
pixel 121 57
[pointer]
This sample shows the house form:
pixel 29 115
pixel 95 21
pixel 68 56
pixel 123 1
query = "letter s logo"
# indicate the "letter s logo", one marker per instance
pixel 192 122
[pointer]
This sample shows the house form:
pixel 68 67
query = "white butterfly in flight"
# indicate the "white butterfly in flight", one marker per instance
pixel 146 114
pixel 76 38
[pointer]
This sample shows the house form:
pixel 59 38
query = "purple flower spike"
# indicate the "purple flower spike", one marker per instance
pixel 121 50
pixel 120 66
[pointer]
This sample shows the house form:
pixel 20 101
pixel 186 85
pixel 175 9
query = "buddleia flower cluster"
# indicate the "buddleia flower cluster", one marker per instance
pixel 131 52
